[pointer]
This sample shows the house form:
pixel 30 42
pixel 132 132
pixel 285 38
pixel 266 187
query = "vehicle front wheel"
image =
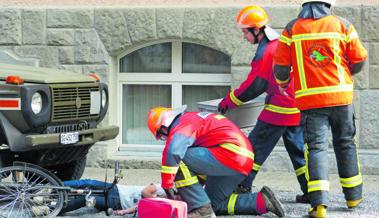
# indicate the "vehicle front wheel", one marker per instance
pixel 70 171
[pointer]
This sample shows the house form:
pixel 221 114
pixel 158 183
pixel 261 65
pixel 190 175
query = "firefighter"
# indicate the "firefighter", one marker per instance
pixel 202 143
pixel 323 52
pixel 280 117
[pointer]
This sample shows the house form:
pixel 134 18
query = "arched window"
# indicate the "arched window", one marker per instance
pixel 167 74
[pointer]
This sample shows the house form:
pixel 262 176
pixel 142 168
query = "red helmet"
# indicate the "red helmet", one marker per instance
pixel 162 116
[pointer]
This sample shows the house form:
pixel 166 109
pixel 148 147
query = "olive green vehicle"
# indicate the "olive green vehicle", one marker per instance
pixel 50 117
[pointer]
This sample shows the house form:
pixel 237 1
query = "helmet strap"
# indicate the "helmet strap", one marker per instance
pixel 256 36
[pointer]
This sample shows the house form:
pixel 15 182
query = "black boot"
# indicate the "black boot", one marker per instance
pixel 271 202
pixel 303 199
pixel 205 211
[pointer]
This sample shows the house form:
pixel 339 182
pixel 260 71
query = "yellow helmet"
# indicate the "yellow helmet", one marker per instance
pixel 252 16
pixel 331 2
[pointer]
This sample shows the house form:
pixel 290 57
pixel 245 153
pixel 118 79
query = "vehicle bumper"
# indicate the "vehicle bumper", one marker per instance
pixel 86 137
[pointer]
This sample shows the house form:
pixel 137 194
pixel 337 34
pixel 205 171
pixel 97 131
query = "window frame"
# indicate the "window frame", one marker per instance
pixel 176 79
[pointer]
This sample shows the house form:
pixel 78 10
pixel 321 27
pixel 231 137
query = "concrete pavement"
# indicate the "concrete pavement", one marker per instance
pixel 283 183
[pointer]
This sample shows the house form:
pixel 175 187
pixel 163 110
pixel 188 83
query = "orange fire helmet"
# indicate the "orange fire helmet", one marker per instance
pixel 252 16
pixel 162 116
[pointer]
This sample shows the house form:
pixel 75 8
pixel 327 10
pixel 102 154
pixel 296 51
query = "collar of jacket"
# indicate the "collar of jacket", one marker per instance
pixel 314 10
pixel 261 48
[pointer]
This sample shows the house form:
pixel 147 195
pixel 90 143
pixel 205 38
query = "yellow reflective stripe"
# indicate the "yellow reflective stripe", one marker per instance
pixel 281 110
pixel 203 177
pixel 306 161
pixel 300 64
pixel 232 203
pixel 238 150
pixel 285 40
pixel 352 181
pixel 219 117
pixel 317 36
pixel 282 82
pixel 318 185
pixel 321 90
pixel 256 167
pixel 301 170
pixel 234 99
pixel 186 182
pixel 185 170
pixel 169 169
pixel 337 61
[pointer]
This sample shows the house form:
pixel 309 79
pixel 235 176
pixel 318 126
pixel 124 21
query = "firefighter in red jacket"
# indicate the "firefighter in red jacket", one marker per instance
pixel 280 117
pixel 202 143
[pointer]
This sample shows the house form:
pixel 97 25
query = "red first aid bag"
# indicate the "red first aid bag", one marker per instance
pixel 161 208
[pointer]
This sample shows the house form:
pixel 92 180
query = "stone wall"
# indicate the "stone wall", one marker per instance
pixel 87 39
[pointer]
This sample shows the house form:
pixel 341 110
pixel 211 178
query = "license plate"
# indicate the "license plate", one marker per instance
pixel 69 138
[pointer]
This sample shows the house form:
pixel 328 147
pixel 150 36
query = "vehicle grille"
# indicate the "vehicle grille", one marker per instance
pixel 65 106
pixel 70 127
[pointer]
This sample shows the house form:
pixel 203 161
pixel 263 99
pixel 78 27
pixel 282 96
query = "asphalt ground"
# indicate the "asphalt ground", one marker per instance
pixel 284 184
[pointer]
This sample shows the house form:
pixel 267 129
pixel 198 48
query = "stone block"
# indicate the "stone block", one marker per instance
pixel 72 68
pixel 281 16
pixel 357 104
pixel 169 22
pixel 141 24
pixel 244 53
pixel 34 27
pixel 7 56
pixel 369 120
pixel 197 24
pixel 239 74
pixel 374 53
pixel 374 77
pixel 112 29
pixel 66 55
pixel 225 34
pixel 101 70
pixel 47 55
pixel 97 155
pixel 60 36
pixel 88 48
pixel 70 18
pixel 370 21
pixel 10 27
pixel 352 14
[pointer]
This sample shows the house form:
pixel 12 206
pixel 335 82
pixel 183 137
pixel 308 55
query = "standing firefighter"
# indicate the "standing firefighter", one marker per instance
pixel 201 143
pixel 324 52
pixel 280 117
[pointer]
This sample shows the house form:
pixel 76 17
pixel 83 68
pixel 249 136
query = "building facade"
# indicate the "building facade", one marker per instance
pixel 170 56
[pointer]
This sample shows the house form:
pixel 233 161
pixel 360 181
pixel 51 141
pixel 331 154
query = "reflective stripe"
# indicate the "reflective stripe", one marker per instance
pixel 282 82
pixel 203 177
pixel 281 110
pixel 232 203
pixel 318 185
pixel 219 117
pixel 256 167
pixel 353 35
pixel 234 99
pixel 285 40
pixel 238 150
pixel 301 170
pixel 300 65
pixel 185 170
pixel 317 36
pixel 321 90
pixel 352 181
pixel 337 61
pixel 186 182
pixel 306 161
pixel 169 169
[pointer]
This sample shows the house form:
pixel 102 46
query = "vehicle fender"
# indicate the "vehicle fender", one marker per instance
pixel 13 136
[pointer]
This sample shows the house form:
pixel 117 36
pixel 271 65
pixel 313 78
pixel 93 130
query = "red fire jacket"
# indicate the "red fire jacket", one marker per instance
pixel 222 138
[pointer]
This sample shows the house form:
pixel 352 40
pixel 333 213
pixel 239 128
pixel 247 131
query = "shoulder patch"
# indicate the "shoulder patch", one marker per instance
pixel 203 114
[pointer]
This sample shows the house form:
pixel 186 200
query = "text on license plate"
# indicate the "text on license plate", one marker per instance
pixel 69 138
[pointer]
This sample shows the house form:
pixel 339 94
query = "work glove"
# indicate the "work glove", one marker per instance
pixel 171 193
pixel 223 107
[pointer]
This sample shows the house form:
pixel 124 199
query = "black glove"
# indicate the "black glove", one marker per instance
pixel 170 193
pixel 222 107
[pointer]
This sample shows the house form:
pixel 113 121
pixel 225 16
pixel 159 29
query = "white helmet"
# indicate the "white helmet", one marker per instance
pixel 331 2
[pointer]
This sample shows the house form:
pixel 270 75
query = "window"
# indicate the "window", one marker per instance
pixel 167 74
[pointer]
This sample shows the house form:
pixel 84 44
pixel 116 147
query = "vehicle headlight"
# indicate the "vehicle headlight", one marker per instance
pixel 103 98
pixel 36 103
